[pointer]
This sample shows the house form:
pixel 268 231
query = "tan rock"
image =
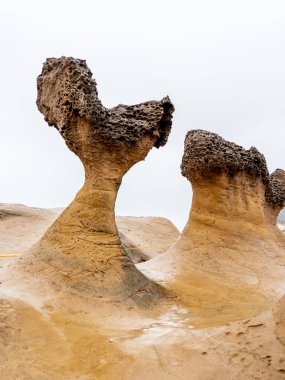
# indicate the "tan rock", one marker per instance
pixel 142 237
pixel 146 237
pixel 82 247
pixel 231 252
pixel 228 268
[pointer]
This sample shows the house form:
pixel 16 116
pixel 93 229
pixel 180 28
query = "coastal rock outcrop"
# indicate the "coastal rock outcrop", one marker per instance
pixel 83 247
pixel 231 246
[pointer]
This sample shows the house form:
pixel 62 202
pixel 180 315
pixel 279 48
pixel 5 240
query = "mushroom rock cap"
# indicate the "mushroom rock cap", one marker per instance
pixel 66 90
pixel 206 153
pixel 275 193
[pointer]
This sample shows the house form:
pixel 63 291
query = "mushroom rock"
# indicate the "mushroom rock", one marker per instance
pixel 82 248
pixel 231 246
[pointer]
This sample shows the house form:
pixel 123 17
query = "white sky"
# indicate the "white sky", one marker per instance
pixel 222 63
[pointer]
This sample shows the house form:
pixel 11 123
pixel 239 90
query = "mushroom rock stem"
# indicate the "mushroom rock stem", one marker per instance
pixel 231 236
pixel 93 207
pixel 83 243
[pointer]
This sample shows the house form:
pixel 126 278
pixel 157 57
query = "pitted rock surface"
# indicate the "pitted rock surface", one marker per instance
pixel 207 153
pixel 275 193
pixel 66 90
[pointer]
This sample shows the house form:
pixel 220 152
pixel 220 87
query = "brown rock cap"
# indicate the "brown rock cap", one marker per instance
pixel 66 90
pixel 275 193
pixel 208 154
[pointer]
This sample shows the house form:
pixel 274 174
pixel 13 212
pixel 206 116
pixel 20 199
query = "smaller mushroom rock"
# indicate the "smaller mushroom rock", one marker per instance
pixel 231 237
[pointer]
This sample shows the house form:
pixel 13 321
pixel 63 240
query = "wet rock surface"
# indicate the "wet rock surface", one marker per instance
pixel 275 192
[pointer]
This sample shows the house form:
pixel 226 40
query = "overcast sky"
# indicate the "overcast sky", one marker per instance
pixel 222 63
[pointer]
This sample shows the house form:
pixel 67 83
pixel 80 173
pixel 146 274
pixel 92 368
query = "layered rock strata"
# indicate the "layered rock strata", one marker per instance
pixel 83 247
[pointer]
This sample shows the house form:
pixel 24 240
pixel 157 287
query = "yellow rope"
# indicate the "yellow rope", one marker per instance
pixel 11 255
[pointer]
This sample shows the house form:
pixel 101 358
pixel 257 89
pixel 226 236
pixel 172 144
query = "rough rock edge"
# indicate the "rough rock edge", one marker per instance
pixel 208 154
pixel 275 192
pixel 74 93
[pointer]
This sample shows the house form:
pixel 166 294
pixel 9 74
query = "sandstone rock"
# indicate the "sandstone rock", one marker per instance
pixel 146 237
pixel 231 247
pixel 83 243
pixel 142 237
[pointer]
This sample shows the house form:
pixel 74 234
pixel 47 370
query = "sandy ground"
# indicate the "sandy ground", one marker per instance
pixel 51 334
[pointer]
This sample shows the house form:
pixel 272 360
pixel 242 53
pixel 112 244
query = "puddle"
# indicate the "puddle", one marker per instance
pixel 175 321
pixel 179 322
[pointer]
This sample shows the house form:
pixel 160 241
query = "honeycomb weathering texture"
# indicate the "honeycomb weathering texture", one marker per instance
pixel 208 154
pixel 275 193
pixel 66 90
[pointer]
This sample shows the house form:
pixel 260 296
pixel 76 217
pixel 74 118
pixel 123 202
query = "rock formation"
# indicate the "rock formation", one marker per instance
pixel 142 237
pixel 146 237
pixel 231 246
pixel 227 267
pixel 83 244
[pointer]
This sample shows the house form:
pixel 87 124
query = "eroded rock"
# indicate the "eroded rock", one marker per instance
pixel 231 246
pixel 275 192
pixel 207 154
pixel 82 248
pixel 67 92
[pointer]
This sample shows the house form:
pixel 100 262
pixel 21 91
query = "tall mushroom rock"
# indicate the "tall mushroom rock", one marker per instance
pixel 83 243
pixel 231 235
